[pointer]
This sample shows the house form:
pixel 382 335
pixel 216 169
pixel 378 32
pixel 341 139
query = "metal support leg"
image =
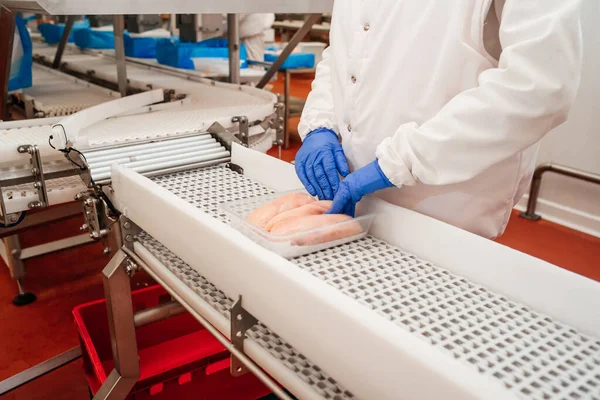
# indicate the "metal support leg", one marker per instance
pixel 233 32
pixel 122 330
pixel 119 27
pixel 536 184
pixel 286 109
pixel 63 41
pixel 302 32
pixel 7 35
pixel 17 270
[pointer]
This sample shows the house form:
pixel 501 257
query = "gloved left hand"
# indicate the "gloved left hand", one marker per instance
pixel 318 162
pixel 363 181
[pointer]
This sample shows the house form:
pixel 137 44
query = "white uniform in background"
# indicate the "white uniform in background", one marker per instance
pixel 422 86
pixel 252 28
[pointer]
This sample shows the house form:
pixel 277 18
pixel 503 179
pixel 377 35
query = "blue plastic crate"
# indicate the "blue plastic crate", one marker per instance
pixel 140 47
pixel 177 54
pixel 88 38
pixel 294 60
pixel 52 33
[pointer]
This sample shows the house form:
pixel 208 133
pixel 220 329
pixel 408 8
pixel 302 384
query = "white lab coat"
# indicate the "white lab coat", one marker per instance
pixel 252 28
pixel 414 83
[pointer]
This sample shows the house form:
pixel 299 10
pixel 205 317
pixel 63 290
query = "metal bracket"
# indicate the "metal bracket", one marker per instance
pixel 93 208
pixel 224 136
pixel 37 170
pixel 244 130
pixel 128 230
pixel 278 123
pixel 98 219
pixel 235 168
pixel 241 320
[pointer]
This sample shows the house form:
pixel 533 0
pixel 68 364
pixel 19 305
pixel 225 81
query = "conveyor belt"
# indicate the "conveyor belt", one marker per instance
pixel 208 102
pixel 323 384
pixel 154 156
pixel 57 94
pixel 534 356
pixel 200 90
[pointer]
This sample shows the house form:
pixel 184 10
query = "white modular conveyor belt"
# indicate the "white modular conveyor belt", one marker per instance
pixel 209 101
pixel 475 321
pixel 55 93
pixel 143 75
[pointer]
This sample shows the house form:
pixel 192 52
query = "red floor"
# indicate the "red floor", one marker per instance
pixel 32 334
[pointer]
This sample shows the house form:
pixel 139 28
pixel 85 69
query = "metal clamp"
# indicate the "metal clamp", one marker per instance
pixel 241 320
pixel 96 213
pixel 244 130
pixel 37 170
pixel 128 230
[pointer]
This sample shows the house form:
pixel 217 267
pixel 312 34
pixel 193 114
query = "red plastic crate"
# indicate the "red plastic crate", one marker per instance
pixel 178 357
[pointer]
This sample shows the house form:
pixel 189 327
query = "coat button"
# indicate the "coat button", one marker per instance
pixel 353 79
pixel 349 128
pixel 366 27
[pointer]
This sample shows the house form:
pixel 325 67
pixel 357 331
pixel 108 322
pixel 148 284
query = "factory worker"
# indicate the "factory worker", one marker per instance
pixel 252 29
pixel 439 106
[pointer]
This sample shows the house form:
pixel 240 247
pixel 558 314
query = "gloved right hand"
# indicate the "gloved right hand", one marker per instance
pixel 320 162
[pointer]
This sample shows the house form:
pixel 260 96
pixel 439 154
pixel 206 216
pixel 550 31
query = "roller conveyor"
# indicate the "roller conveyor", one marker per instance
pixel 207 103
pixel 475 342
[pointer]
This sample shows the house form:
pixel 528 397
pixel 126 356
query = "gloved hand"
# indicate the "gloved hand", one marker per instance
pixel 365 180
pixel 319 162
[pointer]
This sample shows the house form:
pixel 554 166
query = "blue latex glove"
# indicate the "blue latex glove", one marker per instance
pixel 320 162
pixel 366 180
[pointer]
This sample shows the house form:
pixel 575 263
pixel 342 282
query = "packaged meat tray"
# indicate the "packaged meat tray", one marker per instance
pixel 295 244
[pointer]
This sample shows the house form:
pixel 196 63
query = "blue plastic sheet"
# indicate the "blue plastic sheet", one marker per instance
pixel 22 58
pixel 177 54
pixel 52 33
pixel 88 38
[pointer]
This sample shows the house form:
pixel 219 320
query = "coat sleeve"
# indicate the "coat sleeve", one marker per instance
pixel 318 111
pixel 513 107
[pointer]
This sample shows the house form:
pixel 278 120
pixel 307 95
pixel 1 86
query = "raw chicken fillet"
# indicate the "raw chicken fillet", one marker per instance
pixel 316 208
pixel 262 215
pixel 296 213
pixel 310 222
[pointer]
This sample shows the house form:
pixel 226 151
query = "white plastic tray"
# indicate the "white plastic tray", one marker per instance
pixel 287 246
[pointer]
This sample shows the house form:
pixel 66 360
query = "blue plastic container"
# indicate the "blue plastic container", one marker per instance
pixel 52 33
pixel 294 60
pixel 88 38
pixel 140 47
pixel 177 54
